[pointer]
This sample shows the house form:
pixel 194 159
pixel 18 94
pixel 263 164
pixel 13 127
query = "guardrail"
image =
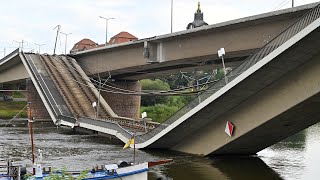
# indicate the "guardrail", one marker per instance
pixel 45 90
pixel 7 57
pixel 283 37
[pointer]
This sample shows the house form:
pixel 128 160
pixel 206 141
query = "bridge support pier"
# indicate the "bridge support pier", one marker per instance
pixel 124 105
pixel 39 111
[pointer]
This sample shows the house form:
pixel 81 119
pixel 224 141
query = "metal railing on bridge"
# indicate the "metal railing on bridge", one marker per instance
pixel 279 40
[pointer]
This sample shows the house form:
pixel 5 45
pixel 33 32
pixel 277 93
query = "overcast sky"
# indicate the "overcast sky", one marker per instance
pixel 34 20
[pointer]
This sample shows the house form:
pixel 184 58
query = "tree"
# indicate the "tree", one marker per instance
pixel 158 85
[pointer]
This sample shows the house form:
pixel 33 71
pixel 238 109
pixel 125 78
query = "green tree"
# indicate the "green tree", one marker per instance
pixel 159 112
pixel 157 85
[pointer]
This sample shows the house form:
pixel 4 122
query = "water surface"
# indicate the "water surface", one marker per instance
pixel 294 158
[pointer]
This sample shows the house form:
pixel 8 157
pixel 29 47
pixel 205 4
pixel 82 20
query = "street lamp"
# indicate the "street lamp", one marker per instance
pixel 39 46
pixel 4 52
pixel 65 46
pixel 106 27
pixel 171 14
pixel 292 3
pixel 221 53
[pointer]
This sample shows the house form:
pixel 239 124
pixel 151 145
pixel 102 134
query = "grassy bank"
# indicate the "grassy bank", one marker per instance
pixel 9 109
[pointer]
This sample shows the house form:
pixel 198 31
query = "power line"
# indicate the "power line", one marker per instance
pixel 20 43
pixel 126 92
pixel 283 3
pixel 123 91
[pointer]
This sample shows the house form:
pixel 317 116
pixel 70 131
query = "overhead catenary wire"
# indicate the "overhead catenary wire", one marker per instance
pixel 16 115
pixel 121 90
pixel 134 92
pixel 146 72
pixel 129 91
pixel 280 5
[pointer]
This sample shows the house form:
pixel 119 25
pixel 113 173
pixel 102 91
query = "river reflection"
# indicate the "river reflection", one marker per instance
pixel 293 158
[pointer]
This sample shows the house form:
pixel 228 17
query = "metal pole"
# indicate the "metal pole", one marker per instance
pixel 224 70
pixel 171 14
pixel 100 86
pixel 99 90
pixel 55 44
pixel 65 45
pixel 106 31
pixel 134 147
pixel 106 27
pixel 292 3
pixel 19 43
pixel 66 40
pixel 39 45
pixel 31 136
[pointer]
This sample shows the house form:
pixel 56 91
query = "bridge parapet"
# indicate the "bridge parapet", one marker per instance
pixel 284 37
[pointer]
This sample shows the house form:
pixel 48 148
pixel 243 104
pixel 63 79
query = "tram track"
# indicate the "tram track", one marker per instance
pixel 79 93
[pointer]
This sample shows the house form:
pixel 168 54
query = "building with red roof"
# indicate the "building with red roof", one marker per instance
pixel 122 37
pixel 86 44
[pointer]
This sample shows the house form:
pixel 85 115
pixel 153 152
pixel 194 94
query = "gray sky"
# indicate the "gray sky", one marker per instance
pixel 33 20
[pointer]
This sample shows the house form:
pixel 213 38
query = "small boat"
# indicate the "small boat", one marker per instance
pixel 121 170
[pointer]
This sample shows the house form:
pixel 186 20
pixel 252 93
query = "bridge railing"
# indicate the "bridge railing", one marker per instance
pixel 284 36
pixel 9 55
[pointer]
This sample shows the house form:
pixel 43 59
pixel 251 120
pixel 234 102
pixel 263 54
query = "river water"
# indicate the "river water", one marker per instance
pixel 294 158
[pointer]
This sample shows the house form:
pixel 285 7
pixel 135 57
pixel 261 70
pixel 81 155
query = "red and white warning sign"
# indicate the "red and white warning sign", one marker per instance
pixel 229 128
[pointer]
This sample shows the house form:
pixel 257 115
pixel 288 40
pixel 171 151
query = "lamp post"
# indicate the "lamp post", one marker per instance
pixel 171 14
pixel 4 52
pixel 221 53
pixel 39 45
pixel 58 27
pixel 106 27
pixel 292 3
pixel 66 40
pixel 20 43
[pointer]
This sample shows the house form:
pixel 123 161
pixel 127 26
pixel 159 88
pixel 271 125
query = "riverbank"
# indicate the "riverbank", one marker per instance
pixel 8 109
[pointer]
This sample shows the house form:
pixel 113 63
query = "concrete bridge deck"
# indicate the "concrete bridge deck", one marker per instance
pixel 170 53
pixel 188 49
pixel 272 94
pixel 276 96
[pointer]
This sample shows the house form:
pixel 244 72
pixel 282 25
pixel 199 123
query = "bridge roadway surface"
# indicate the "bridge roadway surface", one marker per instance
pixel 184 50
pixel 273 94
pixel 68 93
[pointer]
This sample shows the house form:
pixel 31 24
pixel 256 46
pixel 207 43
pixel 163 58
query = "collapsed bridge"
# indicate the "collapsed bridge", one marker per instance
pixel 270 94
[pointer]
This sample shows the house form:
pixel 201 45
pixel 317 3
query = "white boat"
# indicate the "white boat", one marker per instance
pixel 121 170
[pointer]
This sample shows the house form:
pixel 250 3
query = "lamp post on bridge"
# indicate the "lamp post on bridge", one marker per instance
pixel 221 53
pixel 39 46
pixel 171 14
pixel 292 3
pixel 4 52
pixel 107 19
pixel 66 40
